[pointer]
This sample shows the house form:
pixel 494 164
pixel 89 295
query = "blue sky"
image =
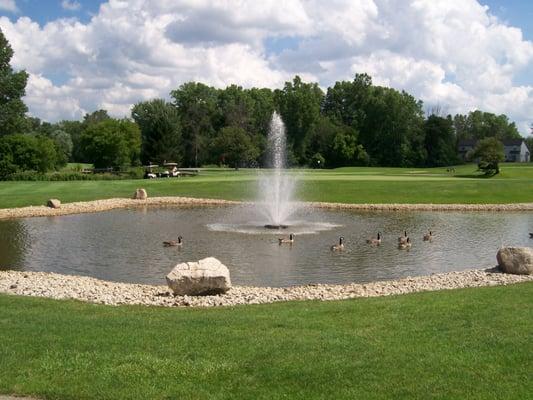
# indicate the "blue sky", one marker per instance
pixel 44 11
pixel 517 13
pixel 88 54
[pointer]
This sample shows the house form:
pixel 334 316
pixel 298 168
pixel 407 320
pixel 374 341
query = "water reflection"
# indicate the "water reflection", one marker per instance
pixel 13 241
pixel 126 245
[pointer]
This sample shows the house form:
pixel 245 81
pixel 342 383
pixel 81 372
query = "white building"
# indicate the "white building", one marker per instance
pixel 515 149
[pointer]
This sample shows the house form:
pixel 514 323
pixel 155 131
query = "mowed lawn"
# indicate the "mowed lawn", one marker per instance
pixel 347 185
pixel 458 344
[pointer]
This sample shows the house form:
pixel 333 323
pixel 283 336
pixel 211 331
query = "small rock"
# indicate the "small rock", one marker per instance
pixel 53 203
pixel 140 194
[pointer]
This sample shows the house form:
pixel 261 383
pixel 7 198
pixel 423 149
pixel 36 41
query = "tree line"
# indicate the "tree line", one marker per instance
pixel 351 123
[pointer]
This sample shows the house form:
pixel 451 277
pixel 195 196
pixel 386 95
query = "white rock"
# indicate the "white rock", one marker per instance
pixel 140 194
pixel 207 276
pixel 516 260
pixel 53 203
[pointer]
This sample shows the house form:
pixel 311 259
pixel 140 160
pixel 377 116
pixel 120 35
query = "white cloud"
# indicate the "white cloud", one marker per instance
pixel 70 5
pixel 9 5
pixel 453 53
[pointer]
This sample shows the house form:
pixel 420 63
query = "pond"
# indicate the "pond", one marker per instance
pixel 126 245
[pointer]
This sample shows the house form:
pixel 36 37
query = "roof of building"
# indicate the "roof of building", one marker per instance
pixel 506 142
pixel 512 142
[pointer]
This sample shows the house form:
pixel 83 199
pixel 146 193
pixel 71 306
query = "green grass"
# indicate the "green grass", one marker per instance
pixel 470 343
pixel 347 185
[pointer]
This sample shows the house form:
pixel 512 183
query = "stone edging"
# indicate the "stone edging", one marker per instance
pixel 110 204
pixel 57 286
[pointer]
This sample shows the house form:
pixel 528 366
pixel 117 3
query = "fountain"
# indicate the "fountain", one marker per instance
pixel 275 208
pixel 277 187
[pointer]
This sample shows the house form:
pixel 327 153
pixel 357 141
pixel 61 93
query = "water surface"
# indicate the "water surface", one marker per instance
pixel 126 245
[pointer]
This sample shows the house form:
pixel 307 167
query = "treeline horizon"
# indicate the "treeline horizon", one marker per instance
pixel 353 123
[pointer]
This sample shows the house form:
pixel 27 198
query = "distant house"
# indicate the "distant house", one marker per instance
pixel 515 149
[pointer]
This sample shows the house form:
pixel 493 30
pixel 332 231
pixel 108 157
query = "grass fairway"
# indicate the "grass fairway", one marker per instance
pixel 470 343
pixel 346 185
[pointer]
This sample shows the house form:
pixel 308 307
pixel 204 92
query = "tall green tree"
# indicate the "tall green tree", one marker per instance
pixel 234 147
pixel 199 115
pixel 160 126
pixel 480 125
pixel 112 143
pixel 440 141
pixel 236 106
pixel 299 104
pixel 336 143
pixel 346 102
pixel 74 129
pixel 95 117
pixel 12 89
pixel 63 143
pixel 392 132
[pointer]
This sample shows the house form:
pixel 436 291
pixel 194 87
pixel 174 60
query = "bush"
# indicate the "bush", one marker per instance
pixel 490 153
pixel 317 161
pixel 26 153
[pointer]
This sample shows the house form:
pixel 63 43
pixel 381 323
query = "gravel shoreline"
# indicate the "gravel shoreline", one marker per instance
pixel 57 286
pixel 111 204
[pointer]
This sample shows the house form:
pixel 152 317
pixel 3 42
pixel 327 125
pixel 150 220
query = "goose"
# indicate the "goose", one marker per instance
pixel 375 241
pixel 290 240
pixel 170 243
pixel 403 239
pixel 428 236
pixel 338 247
pixel 405 245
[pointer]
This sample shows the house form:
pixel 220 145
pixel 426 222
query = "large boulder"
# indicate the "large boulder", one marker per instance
pixel 53 203
pixel 205 277
pixel 516 260
pixel 140 194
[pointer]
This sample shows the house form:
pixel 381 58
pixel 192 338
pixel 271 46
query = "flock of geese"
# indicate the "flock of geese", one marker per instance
pixel 404 242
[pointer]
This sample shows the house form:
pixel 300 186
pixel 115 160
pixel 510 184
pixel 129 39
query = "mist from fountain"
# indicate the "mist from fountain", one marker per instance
pixel 275 207
pixel 277 187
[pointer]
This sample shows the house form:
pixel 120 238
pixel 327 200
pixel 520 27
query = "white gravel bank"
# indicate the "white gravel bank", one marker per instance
pixel 57 286
pixel 110 204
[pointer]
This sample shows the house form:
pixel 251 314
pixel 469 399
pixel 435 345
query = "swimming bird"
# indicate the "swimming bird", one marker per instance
pixel 531 235
pixel 405 245
pixel 403 239
pixel 170 243
pixel 428 236
pixel 290 240
pixel 338 247
pixel 375 241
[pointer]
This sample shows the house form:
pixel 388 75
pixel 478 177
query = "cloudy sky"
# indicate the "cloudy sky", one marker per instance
pixel 83 55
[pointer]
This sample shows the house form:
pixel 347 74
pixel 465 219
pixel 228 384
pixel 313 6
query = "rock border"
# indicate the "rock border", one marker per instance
pixel 116 203
pixel 58 286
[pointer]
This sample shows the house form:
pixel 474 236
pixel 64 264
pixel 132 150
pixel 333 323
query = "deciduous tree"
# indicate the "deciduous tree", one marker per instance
pixel 12 89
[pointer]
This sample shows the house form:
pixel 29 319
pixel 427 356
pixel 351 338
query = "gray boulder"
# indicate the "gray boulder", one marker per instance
pixel 140 194
pixel 205 277
pixel 53 203
pixel 516 260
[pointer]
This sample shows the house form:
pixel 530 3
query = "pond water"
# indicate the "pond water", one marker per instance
pixel 126 245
